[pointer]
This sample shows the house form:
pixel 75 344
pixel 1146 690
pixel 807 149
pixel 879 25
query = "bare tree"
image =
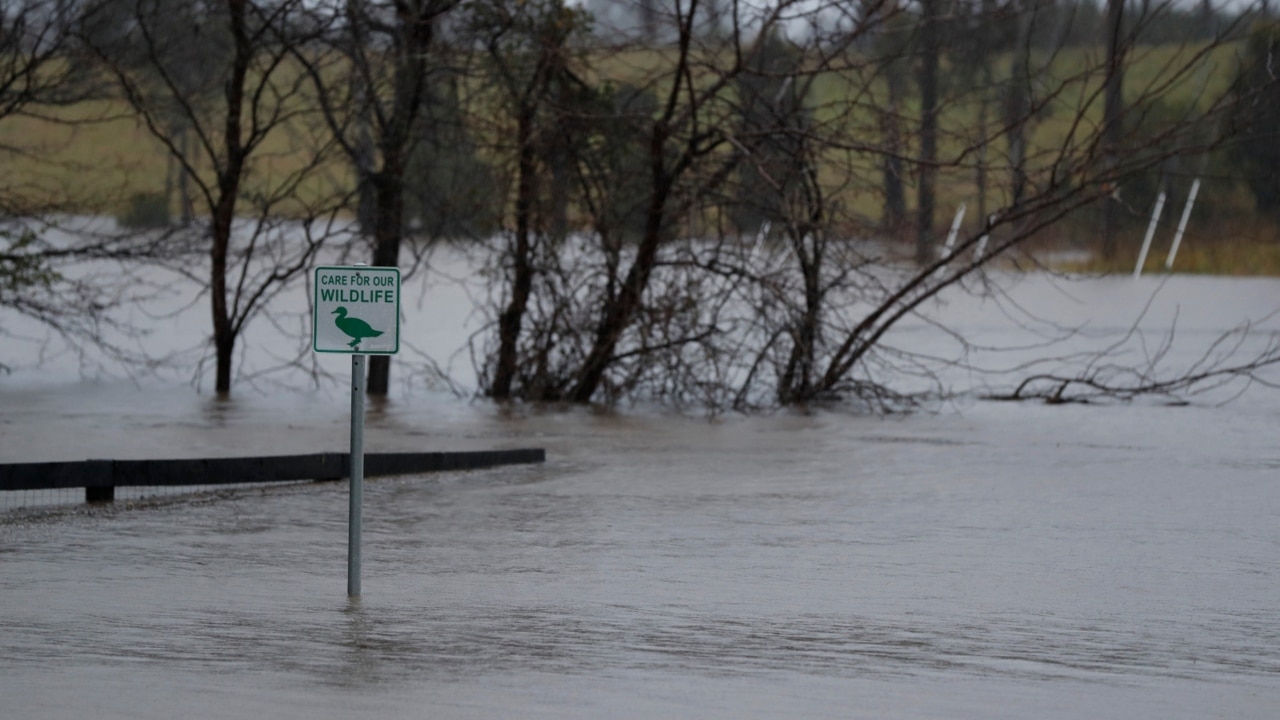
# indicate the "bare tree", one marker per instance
pixel 37 258
pixel 657 158
pixel 528 45
pixel 370 78
pixel 704 217
pixel 691 307
pixel 223 73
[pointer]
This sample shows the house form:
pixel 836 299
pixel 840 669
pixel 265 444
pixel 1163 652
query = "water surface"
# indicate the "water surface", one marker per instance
pixel 982 560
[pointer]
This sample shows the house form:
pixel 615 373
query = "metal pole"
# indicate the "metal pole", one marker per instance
pixel 1182 224
pixel 357 474
pixel 1151 231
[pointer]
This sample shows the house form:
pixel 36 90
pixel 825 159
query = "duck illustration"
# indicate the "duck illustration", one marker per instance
pixel 355 328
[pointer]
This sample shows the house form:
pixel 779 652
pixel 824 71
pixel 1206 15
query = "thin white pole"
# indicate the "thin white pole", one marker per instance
pixel 1151 231
pixel 1182 224
pixel 357 475
pixel 955 230
pixel 761 233
pixel 982 241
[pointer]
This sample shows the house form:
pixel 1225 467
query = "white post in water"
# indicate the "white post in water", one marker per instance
pixel 955 230
pixel 981 252
pixel 356 312
pixel 1182 224
pixel 1151 231
pixel 761 234
pixel 354 509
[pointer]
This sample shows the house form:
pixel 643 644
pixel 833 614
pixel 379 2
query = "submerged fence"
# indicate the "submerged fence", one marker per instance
pixel 100 478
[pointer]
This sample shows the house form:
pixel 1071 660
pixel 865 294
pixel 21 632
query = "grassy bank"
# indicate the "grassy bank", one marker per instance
pixel 97 158
pixel 1226 248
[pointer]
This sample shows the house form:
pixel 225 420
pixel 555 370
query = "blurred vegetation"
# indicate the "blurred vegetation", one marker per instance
pixel 97 158
pixel 22 266
pixel 146 211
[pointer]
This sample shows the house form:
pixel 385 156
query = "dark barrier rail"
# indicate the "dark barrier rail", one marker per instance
pixel 100 478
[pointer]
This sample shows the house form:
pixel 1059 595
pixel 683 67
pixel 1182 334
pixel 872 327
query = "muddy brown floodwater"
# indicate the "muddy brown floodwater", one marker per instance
pixel 982 560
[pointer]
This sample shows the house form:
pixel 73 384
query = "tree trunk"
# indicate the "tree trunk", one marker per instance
pixel 184 182
pixel 895 198
pixel 510 321
pixel 1112 128
pixel 796 384
pixel 224 339
pixel 930 49
pixel 224 345
pixel 414 34
pixel 224 330
pixel 363 153
pixel 980 172
pixel 388 228
pixel 224 211
pixel 1018 105
pixel 617 315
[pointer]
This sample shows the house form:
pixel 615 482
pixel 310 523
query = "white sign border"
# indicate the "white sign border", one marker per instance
pixel 315 307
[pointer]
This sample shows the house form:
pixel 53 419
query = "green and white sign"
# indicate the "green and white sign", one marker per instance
pixel 356 310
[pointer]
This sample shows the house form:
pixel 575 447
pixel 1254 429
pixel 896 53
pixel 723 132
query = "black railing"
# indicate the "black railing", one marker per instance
pixel 100 478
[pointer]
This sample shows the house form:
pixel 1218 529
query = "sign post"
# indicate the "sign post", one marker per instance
pixel 355 504
pixel 356 311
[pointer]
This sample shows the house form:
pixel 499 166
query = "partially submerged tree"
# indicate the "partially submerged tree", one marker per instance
pixel 371 74
pixel 36 78
pixel 529 49
pixel 707 218
pixel 31 44
pixel 224 77
pixel 694 310
pixel 1135 365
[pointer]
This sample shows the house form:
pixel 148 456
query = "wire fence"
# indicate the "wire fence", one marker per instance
pixel 25 502
pixel 27 488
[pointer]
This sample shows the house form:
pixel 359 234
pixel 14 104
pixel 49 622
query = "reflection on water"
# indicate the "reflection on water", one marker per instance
pixel 219 410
